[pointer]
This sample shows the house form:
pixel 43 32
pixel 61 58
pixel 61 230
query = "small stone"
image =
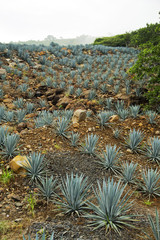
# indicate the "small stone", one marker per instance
pixel 114 118
pixel 18 204
pixel 157 132
pixel 129 150
pixel 76 125
pixel 18 220
pixel 140 124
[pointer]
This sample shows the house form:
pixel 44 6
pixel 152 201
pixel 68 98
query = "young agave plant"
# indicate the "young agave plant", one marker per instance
pixel 134 140
pixel 112 208
pixel 123 113
pixel 151 186
pixel 134 110
pixel 128 172
pixel 152 150
pixel 37 238
pixel 116 133
pixel 103 118
pixel 90 144
pixel 3 134
pixel 110 158
pixel 75 192
pixel 74 138
pixel 151 116
pixel 119 105
pixel 47 188
pixel 61 126
pixel 10 145
pixel 155 227
pixel 34 166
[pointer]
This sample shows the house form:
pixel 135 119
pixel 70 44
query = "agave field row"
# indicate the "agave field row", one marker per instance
pixel 40 88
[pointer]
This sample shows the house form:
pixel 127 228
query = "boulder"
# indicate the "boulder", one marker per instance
pixel 17 163
pixel 79 116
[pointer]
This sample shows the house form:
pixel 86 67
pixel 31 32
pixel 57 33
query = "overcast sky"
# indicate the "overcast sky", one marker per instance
pixel 35 19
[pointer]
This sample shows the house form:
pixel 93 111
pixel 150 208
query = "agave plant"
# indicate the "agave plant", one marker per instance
pixel 108 103
pixel 47 188
pixel 155 227
pixel 8 116
pixel 128 172
pixel 134 140
pixel 74 138
pixel 116 133
pixel 43 237
pixel 119 105
pixel 10 145
pixel 92 94
pixel 19 103
pixel 152 150
pixel 90 144
pixel 61 126
pixel 74 194
pixel 151 116
pixel 34 166
pixel 3 134
pixel 151 186
pixel 112 209
pixel 110 158
pixel 103 118
pixel 20 115
pixel 134 110
pixel 123 113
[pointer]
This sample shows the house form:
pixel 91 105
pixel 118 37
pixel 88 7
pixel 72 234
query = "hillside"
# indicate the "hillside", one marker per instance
pixel 77 148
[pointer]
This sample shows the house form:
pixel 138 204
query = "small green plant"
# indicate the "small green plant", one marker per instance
pixel 148 203
pixel 31 203
pixel 6 176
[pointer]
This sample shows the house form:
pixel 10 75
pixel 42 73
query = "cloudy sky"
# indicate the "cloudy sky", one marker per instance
pixel 35 19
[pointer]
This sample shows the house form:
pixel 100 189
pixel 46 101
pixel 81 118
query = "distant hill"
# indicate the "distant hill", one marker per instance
pixel 150 33
pixel 83 39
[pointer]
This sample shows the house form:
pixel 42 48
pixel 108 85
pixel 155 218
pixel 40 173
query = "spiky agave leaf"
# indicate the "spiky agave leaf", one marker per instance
pixel 112 209
pixel 110 158
pixel 34 166
pixel 74 138
pixel 75 192
pixel 152 150
pixel 151 185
